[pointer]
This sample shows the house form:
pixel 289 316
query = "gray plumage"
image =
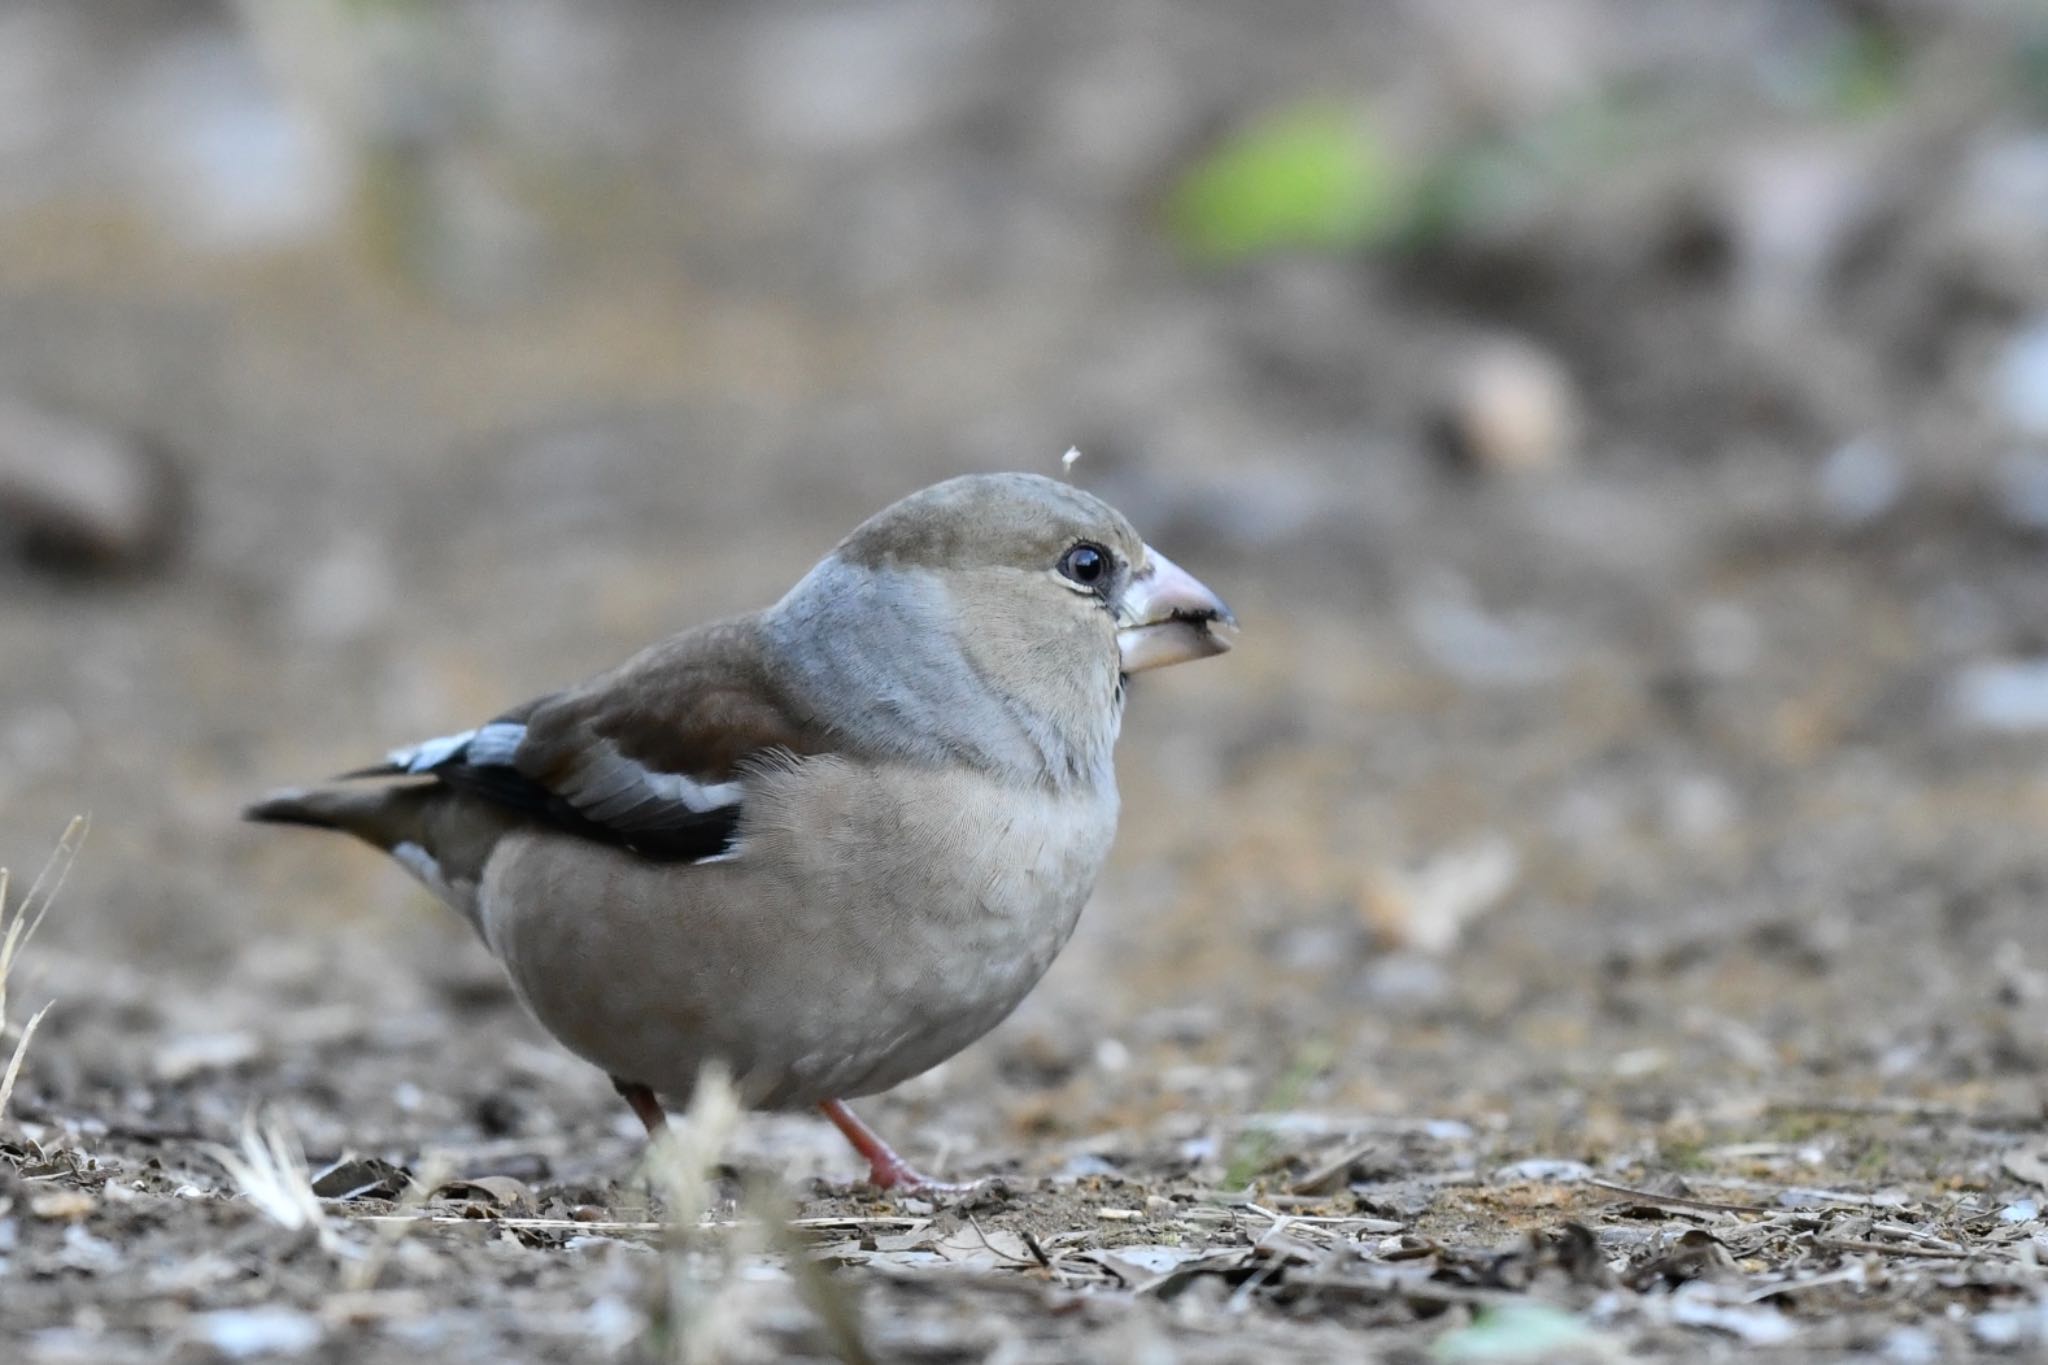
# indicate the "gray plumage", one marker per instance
pixel 828 844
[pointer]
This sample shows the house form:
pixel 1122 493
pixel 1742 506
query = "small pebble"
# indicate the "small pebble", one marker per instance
pixel 1509 407
pixel 2022 379
pixel 79 498
pixel 2008 695
pixel 61 1205
pixel 244 1332
pixel 1860 482
pixel 1553 1170
pixel 2021 484
pixel 1911 1346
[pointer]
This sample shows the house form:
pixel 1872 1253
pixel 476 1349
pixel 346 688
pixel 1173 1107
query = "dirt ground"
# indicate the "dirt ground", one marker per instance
pixel 1596 912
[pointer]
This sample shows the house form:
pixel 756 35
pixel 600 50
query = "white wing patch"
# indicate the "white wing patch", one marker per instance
pixel 628 795
pixel 495 743
pixel 490 744
pixel 604 784
pixel 428 754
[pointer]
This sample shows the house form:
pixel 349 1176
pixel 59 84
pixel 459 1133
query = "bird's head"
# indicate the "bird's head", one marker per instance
pixel 995 615
pixel 1043 561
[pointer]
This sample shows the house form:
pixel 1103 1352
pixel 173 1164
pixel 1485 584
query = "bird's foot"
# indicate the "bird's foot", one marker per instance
pixel 886 1170
pixel 645 1106
pixel 894 1173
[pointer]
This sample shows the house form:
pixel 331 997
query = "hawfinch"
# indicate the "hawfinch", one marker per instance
pixel 828 844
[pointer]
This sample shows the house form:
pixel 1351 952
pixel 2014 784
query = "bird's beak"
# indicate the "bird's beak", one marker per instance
pixel 1166 616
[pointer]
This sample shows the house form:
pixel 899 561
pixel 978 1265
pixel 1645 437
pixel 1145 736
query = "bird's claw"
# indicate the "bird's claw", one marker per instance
pixel 898 1175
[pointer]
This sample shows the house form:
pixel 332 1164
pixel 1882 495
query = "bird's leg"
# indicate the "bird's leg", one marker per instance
pixel 644 1105
pixel 886 1170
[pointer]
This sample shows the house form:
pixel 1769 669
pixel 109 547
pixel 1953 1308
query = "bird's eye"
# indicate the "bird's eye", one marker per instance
pixel 1086 564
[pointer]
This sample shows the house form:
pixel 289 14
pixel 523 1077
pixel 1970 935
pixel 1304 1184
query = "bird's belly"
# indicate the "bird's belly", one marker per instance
pixel 873 924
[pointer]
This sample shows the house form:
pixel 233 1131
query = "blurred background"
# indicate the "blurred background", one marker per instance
pixel 1621 427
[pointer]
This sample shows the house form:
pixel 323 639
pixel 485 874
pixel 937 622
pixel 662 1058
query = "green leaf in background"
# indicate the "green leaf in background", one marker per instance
pixel 1522 1332
pixel 1865 72
pixel 1313 175
pixel 2030 66
pixel 1254 1148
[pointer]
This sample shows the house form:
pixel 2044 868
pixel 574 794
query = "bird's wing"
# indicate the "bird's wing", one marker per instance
pixel 650 756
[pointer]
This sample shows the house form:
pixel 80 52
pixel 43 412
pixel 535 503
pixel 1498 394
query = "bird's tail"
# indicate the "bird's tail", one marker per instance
pixel 383 816
pixel 442 837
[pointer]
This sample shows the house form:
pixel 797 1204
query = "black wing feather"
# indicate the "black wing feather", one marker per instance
pixel 685 841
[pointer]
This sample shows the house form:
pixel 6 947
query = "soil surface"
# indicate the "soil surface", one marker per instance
pixel 1595 913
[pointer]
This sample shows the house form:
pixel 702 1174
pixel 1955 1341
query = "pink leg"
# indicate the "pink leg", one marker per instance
pixel 886 1170
pixel 644 1105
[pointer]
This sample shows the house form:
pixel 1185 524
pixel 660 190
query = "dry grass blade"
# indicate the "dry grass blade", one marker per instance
pixel 705 1314
pixel 18 928
pixel 705 1319
pixel 268 1168
pixel 837 1308
pixel 58 865
pixel 681 1162
pixel 14 1062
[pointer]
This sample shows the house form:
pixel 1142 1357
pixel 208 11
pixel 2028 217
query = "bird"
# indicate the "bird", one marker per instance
pixel 825 845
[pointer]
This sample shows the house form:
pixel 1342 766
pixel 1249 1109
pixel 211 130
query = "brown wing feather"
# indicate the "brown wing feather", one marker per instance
pixel 647 756
pixel 697 705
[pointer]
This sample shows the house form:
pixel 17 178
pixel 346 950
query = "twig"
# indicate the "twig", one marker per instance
pixel 1037 1249
pixel 989 1246
pixel 1325 1179
pixel 1843 1197
pixel 1905 1233
pixel 1260 1277
pixel 1412 1291
pixel 1848 1274
pixel 1906 1109
pixel 602 1226
pixel 1678 1201
pixel 114 1128
pixel 1337 1221
pixel 1901 1249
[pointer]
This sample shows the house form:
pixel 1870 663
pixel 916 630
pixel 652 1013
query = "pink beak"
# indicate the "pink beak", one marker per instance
pixel 1166 616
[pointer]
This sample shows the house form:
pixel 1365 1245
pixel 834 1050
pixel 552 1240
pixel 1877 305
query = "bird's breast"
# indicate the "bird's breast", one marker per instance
pixel 951 885
pixel 875 920
pixel 949 895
